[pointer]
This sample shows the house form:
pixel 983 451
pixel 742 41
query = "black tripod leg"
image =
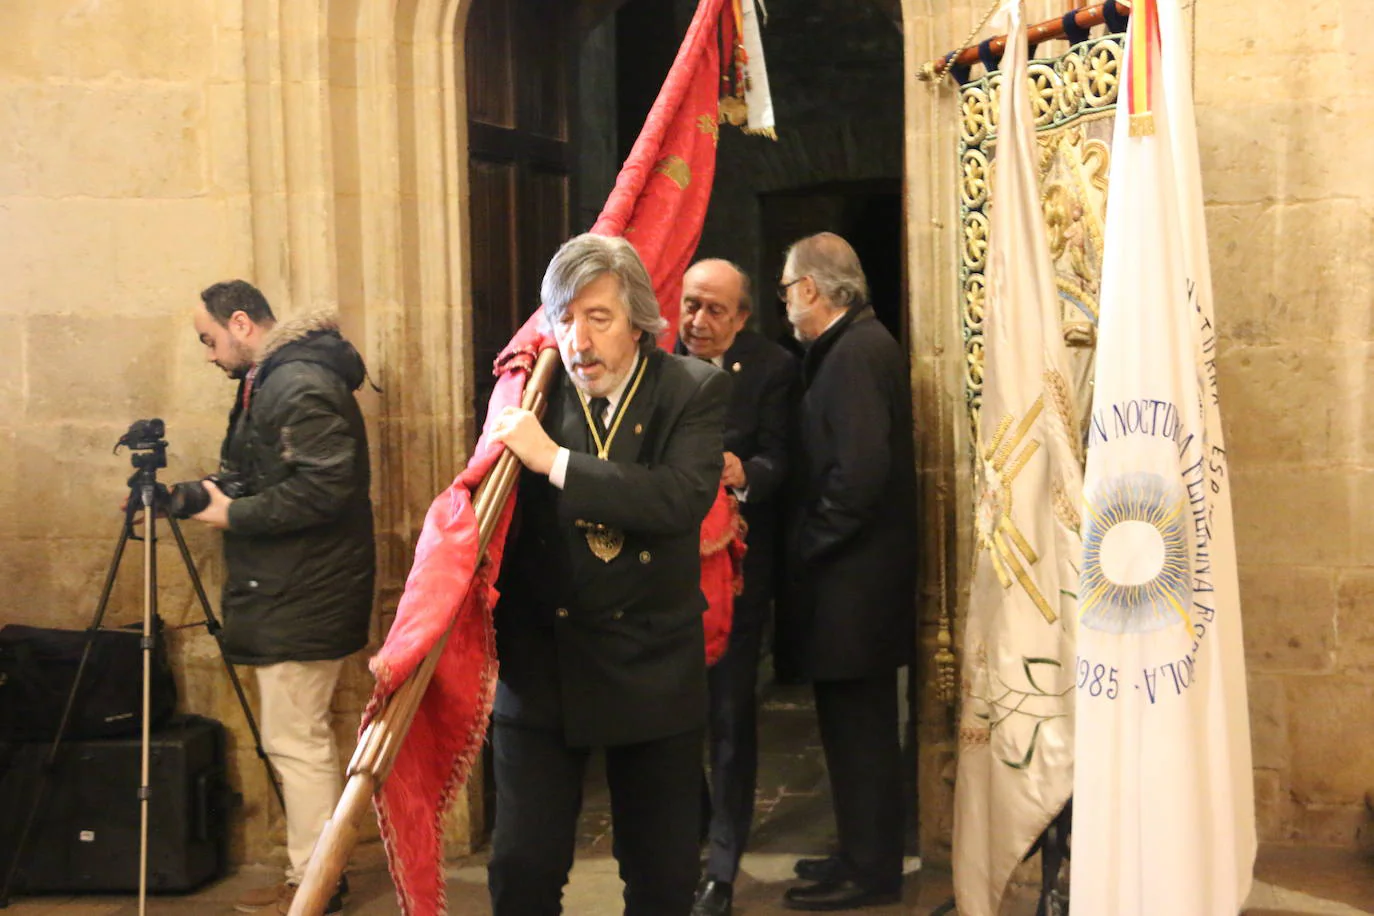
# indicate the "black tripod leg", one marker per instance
pixel 1053 851
pixel 1049 872
pixel 50 761
pixel 213 625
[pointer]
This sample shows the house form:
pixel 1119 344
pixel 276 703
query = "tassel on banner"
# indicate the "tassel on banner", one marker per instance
pixel 1144 59
pixel 749 104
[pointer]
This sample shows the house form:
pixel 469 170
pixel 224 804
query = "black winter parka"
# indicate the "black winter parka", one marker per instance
pixel 299 547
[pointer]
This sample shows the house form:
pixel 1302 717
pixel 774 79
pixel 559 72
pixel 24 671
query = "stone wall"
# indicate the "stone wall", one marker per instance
pixel 1288 170
pixel 1286 156
pixel 124 190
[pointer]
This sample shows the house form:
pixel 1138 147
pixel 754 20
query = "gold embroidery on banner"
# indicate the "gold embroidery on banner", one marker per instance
pixel 1003 447
pixel 605 541
pixel 1058 390
pixel 1064 510
pixel 1046 88
pixel 974 184
pixel 998 437
pixel 1022 459
pixel 1101 78
pixel 1023 577
pixel 677 170
pixel 976 241
pixel 1097 159
pixel 1005 457
pixel 1016 537
pixel 733 111
pixel 974 736
pixel 709 125
pixel 1003 577
pixel 973 125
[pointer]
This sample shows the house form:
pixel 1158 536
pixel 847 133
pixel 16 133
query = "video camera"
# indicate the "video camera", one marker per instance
pixel 144 439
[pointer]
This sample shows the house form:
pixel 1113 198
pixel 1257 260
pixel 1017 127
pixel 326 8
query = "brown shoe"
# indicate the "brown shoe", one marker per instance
pixel 260 898
pixel 334 905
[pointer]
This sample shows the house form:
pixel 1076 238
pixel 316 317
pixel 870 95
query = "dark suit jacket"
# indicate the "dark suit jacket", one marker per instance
pixel 854 535
pixel 758 425
pixel 613 653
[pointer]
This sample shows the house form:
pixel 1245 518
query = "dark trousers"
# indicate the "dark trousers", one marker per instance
pixel 734 742
pixel 655 810
pixel 858 721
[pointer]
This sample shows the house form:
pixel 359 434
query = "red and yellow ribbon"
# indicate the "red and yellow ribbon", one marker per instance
pixel 1144 58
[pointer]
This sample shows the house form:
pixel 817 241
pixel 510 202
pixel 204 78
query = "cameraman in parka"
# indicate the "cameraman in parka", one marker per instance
pixel 292 499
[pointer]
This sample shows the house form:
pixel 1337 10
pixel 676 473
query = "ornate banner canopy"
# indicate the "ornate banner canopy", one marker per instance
pixel 1074 97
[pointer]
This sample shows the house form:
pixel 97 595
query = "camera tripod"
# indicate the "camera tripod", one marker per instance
pixel 148 453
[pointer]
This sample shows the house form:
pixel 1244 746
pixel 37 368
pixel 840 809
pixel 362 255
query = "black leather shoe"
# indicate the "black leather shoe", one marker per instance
pixel 845 894
pixel 714 898
pixel 831 868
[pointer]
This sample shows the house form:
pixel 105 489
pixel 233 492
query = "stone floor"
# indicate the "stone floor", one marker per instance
pixel 793 820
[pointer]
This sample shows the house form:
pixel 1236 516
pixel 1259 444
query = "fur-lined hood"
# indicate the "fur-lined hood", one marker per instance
pixel 313 337
pixel 298 328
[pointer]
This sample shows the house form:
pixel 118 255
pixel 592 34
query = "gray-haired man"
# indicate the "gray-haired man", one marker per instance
pixel 599 626
pixel 853 552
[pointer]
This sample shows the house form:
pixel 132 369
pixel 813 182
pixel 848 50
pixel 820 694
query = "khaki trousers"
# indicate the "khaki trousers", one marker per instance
pixel 299 740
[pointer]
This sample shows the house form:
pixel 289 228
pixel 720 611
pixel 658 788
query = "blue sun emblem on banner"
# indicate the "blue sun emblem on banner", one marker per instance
pixel 1135 556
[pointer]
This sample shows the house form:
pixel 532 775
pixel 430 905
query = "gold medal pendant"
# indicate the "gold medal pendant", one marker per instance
pixel 605 543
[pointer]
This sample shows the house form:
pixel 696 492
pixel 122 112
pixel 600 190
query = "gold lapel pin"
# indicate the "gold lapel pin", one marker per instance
pixel 639 428
pixel 735 367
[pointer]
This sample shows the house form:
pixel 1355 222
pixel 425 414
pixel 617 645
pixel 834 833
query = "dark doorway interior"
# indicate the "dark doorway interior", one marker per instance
pixel 868 214
pixel 521 79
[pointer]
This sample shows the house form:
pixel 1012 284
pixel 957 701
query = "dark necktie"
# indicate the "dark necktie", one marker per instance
pixel 598 406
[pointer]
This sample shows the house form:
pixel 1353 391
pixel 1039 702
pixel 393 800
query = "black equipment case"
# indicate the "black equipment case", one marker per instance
pixel 86 836
pixel 38 666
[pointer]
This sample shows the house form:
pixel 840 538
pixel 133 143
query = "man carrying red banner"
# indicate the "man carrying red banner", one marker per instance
pixel 658 204
pixel 599 623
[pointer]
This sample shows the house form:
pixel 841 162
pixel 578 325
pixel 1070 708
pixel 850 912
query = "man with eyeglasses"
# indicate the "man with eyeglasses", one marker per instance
pixel 715 308
pixel 852 549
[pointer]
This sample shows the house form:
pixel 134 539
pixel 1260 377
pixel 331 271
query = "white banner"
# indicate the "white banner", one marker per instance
pixel 1163 791
pixel 1016 719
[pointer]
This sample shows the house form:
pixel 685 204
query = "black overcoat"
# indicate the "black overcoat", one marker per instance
pixel 853 536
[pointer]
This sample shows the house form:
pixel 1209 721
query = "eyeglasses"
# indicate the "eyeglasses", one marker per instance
pixel 782 287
